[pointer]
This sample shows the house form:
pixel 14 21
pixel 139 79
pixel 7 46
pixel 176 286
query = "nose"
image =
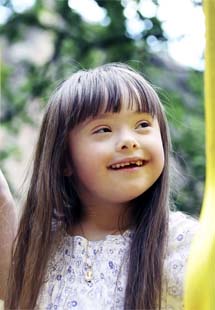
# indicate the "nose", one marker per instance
pixel 127 142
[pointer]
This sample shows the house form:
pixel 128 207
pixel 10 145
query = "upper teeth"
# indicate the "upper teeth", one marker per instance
pixel 138 163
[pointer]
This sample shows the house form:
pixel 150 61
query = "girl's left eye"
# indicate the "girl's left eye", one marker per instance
pixel 102 130
pixel 143 124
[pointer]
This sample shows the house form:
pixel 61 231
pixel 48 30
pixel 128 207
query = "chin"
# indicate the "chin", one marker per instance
pixel 129 197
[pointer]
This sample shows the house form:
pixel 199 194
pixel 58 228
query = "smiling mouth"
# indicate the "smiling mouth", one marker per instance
pixel 132 164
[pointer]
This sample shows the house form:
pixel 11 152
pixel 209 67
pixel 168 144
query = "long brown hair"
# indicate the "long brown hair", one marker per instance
pixel 52 198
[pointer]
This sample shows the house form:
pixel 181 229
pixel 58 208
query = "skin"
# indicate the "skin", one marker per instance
pixel 8 228
pixel 96 146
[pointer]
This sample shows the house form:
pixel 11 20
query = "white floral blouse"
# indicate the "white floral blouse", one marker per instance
pixel 66 286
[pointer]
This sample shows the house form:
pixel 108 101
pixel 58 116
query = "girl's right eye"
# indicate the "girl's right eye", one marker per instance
pixel 102 130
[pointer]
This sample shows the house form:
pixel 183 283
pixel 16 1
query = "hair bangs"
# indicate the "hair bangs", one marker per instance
pixel 141 93
pixel 105 90
pixel 91 95
pixel 139 96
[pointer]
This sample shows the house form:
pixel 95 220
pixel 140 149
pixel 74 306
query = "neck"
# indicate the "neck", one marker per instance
pixel 99 222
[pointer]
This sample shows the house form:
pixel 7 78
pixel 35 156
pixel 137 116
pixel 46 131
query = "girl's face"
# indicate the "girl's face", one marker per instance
pixel 115 157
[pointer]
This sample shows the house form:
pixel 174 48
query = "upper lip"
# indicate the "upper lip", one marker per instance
pixel 129 160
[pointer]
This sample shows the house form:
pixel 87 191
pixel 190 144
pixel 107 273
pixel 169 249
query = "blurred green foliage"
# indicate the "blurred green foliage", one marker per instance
pixel 77 43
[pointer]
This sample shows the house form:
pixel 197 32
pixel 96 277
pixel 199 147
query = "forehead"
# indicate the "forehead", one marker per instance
pixel 124 113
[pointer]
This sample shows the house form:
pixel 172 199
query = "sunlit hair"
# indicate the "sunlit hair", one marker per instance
pixel 52 203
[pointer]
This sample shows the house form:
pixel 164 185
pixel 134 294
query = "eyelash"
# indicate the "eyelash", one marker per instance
pixel 145 123
pixel 106 129
pixel 102 130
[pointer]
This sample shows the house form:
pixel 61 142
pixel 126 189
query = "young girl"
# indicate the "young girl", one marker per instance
pixel 96 230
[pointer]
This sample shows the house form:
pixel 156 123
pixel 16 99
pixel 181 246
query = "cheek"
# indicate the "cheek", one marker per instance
pixel 158 155
pixel 159 152
pixel 161 160
pixel 86 153
pixel 85 159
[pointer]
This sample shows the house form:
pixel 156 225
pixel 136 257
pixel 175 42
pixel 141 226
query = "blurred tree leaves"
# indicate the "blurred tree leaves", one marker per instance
pixel 75 43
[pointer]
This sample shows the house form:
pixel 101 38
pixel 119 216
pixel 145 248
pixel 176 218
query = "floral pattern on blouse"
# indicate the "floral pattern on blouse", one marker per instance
pixel 66 288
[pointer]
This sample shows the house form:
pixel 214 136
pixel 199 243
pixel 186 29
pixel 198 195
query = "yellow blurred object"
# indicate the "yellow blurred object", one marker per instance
pixel 200 278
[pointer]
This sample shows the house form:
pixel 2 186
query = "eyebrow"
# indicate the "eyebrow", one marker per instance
pixel 109 114
pixel 102 116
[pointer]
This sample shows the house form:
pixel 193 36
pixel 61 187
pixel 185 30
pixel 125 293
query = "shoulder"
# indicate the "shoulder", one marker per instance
pixel 182 229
